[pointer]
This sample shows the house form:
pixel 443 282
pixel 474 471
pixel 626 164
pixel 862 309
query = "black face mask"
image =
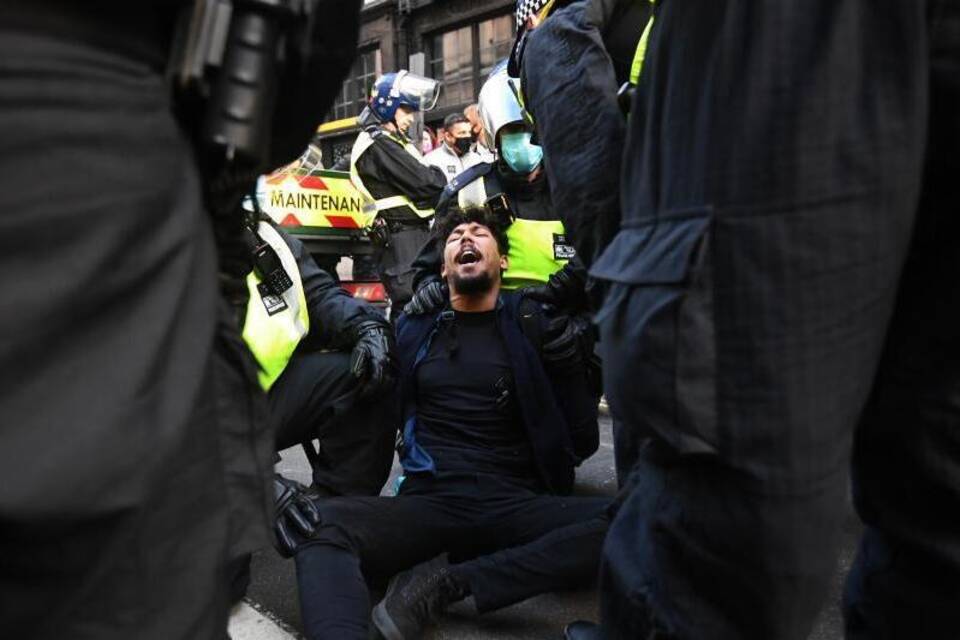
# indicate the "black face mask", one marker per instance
pixel 462 145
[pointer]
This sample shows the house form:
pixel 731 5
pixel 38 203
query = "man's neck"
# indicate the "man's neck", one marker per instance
pixel 393 129
pixel 474 303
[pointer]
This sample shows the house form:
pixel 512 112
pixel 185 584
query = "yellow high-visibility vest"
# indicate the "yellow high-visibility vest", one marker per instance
pixel 275 325
pixel 373 206
pixel 641 51
pixel 538 248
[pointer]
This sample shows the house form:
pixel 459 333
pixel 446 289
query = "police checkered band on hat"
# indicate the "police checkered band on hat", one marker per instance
pixel 527 8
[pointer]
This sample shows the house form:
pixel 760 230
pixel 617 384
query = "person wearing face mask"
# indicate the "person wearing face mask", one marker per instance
pixel 388 169
pixel 542 262
pixel 456 153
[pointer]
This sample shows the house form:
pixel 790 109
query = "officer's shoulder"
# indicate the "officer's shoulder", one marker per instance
pixel 572 17
pixel 376 132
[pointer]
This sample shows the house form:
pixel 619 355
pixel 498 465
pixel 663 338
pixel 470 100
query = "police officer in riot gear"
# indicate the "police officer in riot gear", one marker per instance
pixel 326 361
pixel 387 168
pixel 542 262
pixel 135 452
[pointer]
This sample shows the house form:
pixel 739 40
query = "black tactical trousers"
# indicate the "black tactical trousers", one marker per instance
pixel 509 542
pixel 130 470
pixel 783 296
pixel 317 398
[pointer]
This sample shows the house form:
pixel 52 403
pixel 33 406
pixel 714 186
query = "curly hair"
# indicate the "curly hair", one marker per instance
pixel 457 216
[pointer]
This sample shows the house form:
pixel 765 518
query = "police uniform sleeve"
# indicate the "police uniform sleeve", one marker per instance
pixel 426 266
pixel 579 124
pixel 387 162
pixel 334 314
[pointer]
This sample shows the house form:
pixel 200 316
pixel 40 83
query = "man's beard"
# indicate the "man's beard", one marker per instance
pixel 472 285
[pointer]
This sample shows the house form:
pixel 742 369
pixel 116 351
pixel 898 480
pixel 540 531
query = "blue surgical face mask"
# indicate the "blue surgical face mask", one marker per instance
pixel 518 153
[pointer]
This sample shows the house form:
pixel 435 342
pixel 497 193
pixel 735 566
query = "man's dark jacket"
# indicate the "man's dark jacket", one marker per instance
pixel 549 405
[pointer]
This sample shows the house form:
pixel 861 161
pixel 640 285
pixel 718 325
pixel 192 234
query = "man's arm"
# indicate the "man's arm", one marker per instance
pixel 388 163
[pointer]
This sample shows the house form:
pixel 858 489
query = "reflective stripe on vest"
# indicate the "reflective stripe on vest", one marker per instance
pixel 538 248
pixel 641 51
pixel 372 206
pixel 273 338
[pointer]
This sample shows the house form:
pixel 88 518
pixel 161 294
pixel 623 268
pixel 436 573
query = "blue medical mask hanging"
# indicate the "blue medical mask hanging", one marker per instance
pixel 518 153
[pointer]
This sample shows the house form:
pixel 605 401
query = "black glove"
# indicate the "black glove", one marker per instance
pixel 296 515
pixel 428 298
pixel 373 361
pixel 568 339
pixel 565 289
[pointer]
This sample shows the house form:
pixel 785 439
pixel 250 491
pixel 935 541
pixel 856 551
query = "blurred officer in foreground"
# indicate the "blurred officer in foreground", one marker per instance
pixel 573 59
pixel 134 453
pixel 388 169
pixel 327 362
pixel 783 294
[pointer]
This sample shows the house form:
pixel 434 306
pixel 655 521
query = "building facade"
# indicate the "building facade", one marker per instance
pixel 454 41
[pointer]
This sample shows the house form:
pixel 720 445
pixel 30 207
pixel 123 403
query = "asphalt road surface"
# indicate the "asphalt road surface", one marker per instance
pixel 275 614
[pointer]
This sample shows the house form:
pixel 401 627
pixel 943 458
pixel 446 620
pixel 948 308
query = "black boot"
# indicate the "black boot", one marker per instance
pixel 416 597
pixel 582 630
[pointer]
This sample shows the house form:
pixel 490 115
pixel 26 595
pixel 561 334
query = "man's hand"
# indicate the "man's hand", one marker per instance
pixel 565 289
pixel 296 515
pixel 373 361
pixel 568 339
pixel 428 298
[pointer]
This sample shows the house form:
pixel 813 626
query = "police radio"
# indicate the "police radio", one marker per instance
pixel 270 270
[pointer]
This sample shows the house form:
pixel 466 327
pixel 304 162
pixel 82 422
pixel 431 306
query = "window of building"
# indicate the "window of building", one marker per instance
pixel 496 41
pixel 452 63
pixel 356 88
pixel 462 58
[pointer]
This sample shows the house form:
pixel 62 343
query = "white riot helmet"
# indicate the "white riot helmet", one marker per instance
pixel 498 105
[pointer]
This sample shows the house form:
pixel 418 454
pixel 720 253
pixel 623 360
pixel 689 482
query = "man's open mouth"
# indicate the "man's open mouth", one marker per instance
pixel 468 255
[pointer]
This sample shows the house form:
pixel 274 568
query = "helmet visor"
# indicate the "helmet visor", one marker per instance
pixel 419 91
pixel 498 106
